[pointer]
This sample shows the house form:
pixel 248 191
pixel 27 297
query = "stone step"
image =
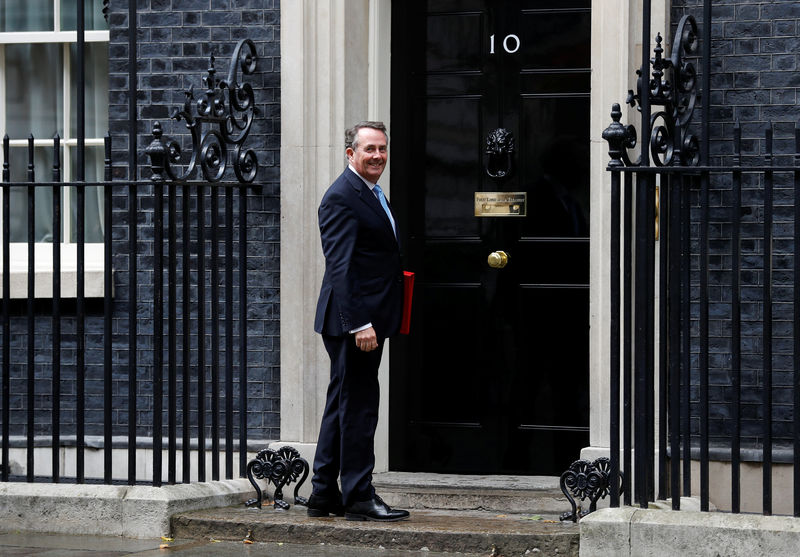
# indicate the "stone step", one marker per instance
pixel 500 494
pixel 463 532
pixel 480 515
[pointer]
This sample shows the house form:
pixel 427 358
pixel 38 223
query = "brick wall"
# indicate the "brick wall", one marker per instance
pixel 176 38
pixel 754 81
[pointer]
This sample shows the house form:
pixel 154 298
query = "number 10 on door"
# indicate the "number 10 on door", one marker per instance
pixel 510 44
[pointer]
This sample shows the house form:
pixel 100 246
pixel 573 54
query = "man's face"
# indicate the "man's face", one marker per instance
pixel 370 154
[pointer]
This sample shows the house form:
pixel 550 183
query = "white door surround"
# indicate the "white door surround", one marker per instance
pixel 335 71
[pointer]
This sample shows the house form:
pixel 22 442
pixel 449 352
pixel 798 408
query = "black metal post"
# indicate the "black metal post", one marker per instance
pixel 643 236
pixel 158 325
pixel 186 264
pixel 673 237
pixel 662 224
pixel 107 301
pixel 133 87
pixel 132 330
pixel 172 356
pixel 56 317
pixel 31 385
pixel 640 342
pixel 80 303
pixel 80 228
pixel 650 339
pixel 215 333
pixel 4 472
pixel 158 153
pixel 627 347
pixel 704 216
pixel 614 380
pixel 736 323
pixel 201 335
pixel 767 331
pixel 703 333
pixel 242 330
pixel 229 333
pixel 686 296
pixel 796 331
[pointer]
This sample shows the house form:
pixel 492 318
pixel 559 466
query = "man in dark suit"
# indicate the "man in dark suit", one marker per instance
pixel 360 305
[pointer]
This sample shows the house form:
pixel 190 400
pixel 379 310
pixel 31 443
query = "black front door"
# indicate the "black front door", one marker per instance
pixel 494 377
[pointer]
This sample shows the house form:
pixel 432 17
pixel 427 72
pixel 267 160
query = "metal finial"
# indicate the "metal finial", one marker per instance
pixel 615 134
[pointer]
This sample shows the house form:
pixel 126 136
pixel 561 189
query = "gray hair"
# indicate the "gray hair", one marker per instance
pixel 351 134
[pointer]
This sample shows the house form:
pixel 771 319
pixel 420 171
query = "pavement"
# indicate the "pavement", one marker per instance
pixel 59 545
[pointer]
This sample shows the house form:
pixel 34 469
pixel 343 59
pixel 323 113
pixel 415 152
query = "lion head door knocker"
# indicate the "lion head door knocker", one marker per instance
pixel 500 149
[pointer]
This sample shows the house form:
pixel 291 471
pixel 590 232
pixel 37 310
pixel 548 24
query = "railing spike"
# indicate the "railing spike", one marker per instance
pixel 56 154
pixel 56 158
pixel 737 143
pixel 6 163
pixel 107 157
pixel 768 133
pixel 31 167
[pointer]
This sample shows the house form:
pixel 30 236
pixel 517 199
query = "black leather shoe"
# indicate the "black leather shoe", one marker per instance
pixel 319 506
pixel 374 509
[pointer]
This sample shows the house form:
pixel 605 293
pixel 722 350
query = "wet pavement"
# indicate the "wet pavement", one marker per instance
pixel 17 544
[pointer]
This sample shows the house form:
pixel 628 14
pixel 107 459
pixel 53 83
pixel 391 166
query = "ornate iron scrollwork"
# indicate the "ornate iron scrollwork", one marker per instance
pixel 584 479
pixel 281 468
pixel 670 142
pixel 500 149
pixel 227 104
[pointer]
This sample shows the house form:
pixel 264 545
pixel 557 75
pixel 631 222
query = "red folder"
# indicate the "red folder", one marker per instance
pixel 408 292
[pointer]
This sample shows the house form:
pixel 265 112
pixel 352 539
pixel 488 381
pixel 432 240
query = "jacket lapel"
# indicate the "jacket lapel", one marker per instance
pixel 370 199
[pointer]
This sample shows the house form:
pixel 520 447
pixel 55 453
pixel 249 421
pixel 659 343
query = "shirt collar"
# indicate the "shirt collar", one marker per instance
pixel 369 184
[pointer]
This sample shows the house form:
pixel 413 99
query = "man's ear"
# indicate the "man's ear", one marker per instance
pixel 349 152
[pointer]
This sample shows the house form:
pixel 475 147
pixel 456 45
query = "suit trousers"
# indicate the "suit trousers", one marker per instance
pixel 346 444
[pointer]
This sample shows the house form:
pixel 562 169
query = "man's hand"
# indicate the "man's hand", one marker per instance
pixel 367 340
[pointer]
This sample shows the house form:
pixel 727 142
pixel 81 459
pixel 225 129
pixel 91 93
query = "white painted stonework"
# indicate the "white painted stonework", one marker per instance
pixel 335 70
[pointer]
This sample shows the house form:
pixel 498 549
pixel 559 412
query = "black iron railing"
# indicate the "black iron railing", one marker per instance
pixel 174 376
pixel 200 396
pixel 182 385
pixel 675 257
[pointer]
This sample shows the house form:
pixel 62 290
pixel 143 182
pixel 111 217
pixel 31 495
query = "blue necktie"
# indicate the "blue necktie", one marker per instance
pixel 382 198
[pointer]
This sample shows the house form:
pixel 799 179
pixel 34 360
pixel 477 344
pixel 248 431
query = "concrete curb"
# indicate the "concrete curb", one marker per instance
pixel 629 531
pixel 128 511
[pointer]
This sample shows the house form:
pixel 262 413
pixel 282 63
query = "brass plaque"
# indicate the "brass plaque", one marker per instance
pixel 501 203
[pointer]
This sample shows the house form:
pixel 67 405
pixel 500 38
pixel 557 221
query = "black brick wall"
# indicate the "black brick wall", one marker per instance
pixel 176 38
pixel 754 81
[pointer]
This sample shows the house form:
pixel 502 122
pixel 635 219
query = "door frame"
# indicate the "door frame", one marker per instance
pixel 335 63
pixel 327 84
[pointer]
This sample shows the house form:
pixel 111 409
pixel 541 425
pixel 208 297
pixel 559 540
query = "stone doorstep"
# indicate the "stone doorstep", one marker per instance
pixel 129 511
pixel 445 531
pixel 501 494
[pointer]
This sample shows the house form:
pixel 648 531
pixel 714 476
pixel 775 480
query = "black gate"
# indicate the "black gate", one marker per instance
pixel 187 388
pixel 705 289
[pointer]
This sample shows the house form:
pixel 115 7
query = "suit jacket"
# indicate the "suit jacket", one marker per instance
pixel 363 281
